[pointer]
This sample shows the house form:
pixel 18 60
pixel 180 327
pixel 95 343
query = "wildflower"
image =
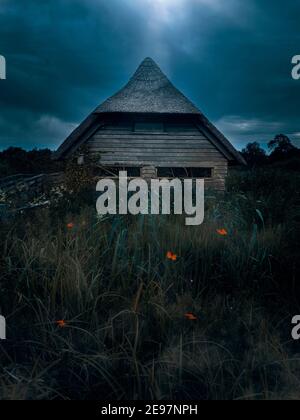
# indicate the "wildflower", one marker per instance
pixel 70 225
pixel 171 256
pixel 222 232
pixel 61 323
pixel 190 316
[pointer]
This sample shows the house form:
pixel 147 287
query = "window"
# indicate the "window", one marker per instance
pixel 152 127
pixel 184 172
pixel 181 128
pixel 132 172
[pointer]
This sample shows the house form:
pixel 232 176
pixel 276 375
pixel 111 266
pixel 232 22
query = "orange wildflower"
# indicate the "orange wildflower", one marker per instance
pixel 61 323
pixel 171 256
pixel 222 232
pixel 70 225
pixel 190 316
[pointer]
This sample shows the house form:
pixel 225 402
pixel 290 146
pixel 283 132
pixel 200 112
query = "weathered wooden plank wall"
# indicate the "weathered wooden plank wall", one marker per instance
pixel 180 145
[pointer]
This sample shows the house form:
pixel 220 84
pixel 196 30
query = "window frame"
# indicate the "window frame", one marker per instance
pixel 145 131
pixel 212 170
pixel 111 175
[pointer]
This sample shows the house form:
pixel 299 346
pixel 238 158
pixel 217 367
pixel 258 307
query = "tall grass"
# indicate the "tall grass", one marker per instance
pixel 124 303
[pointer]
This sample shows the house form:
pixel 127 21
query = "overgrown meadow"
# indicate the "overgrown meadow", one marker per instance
pixel 124 307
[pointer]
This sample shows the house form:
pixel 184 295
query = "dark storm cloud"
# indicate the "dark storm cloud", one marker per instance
pixel 64 57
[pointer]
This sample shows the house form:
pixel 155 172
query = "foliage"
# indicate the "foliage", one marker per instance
pixel 282 151
pixel 80 176
pixel 282 148
pixel 15 160
pixel 254 154
pixel 125 307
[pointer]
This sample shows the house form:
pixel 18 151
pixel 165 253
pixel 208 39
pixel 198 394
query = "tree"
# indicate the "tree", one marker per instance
pixel 281 148
pixel 15 160
pixel 254 154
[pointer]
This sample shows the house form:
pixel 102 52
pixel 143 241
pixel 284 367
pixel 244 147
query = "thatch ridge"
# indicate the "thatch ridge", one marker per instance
pixel 149 91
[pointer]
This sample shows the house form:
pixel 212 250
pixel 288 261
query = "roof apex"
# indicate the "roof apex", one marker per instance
pixel 148 70
pixel 149 91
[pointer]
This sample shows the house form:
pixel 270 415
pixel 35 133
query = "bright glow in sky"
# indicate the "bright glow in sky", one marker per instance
pixel 167 10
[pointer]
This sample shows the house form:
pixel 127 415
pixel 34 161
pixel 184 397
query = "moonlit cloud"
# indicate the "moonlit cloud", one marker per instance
pixel 242 125
pixel 243 130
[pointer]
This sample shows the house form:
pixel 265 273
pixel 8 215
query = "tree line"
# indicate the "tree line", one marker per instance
pixel 16 160
pixel 281 151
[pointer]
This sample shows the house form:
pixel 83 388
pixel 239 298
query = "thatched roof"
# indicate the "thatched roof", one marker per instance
pixel 149 91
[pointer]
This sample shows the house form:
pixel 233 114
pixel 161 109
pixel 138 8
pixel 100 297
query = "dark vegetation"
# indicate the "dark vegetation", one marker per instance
pixel 16 160
pixel 282 153
pixel 97 310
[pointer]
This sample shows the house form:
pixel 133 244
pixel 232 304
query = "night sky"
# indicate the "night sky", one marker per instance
pixel 232 58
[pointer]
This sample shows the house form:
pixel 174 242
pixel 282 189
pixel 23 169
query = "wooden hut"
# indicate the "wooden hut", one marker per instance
pixel 150 129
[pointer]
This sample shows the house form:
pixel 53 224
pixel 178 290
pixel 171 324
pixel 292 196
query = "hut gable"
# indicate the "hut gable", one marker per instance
pixel 152 129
